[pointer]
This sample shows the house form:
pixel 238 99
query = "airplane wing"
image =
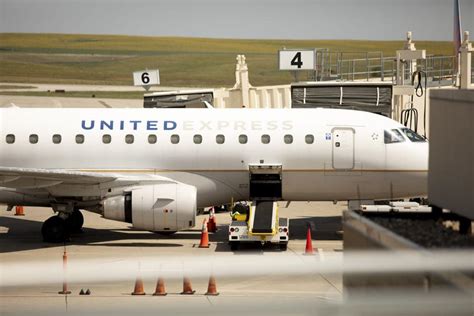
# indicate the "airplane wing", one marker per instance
pixel 52 179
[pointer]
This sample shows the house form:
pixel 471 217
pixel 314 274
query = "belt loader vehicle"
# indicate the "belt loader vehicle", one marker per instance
pixel 260 222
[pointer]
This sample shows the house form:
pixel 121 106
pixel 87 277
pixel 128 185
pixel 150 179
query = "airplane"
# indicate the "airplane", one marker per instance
pixel 155 167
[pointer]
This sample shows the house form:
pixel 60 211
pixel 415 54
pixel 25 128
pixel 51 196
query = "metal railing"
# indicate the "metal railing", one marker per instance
pixel 352 66
pixel 472 68
pixel 440 70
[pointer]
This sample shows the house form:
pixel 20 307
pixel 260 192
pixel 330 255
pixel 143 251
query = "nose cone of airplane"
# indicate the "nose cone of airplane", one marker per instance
pixel 420 156
pixel 419 164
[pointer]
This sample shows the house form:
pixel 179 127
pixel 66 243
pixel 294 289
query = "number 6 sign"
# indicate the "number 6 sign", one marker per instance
pixel 297 59
pixel 146 77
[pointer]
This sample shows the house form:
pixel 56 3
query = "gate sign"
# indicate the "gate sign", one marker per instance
pixel 297 59
pixel 146 77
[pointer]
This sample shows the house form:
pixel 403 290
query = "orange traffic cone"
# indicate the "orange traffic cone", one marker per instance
pixel 19 211
pixel 309 243
pixel 212 287
pixel 212 224
pixel 187 287
pixel 138 290
pixel 204 236
pixel 160 288
pixel 65 289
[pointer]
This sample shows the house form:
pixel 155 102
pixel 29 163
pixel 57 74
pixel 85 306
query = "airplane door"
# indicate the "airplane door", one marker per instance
pixel 343 148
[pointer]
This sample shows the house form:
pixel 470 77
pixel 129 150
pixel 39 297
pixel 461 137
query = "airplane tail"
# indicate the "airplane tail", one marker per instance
pixel 457 36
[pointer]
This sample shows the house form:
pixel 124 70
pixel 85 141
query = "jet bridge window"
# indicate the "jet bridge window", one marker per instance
pixel 10 138
pixel 33 139
pixel 129 139
pixel 288 139
pixel 174 139
pixel 220 139
pixel 152 139
pixel 197 139
pixel 265 139
pixel 56 139
pixel 393 136
pixel 414 137
pixel 243 139
pixel 309 139
pixel 106 139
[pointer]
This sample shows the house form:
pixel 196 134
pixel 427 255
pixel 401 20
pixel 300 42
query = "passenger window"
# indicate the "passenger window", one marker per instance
pixel 288 139
pixel 79 139
pixel 393 136
pixel 33 139
pixel 10 139
pixel 56 139
pixel 106 139
pixel 197 139
pixel 129 139
pixel 220 139
pixel 309 139
pixel 265 139
pixel 174 139
pixel 243 139
pixel 152 139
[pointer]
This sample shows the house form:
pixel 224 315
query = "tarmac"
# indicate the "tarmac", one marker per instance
pixel 70 102
pixel 111 241
pixel 63 102
pixel 19 87
pixel 108 242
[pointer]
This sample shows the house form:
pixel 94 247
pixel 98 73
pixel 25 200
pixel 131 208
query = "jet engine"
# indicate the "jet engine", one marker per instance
pixel 166 207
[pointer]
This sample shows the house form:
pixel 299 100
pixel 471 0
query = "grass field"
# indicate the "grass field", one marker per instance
pixel 201 62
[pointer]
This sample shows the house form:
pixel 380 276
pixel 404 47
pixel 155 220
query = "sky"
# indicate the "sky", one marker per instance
pixel 253 19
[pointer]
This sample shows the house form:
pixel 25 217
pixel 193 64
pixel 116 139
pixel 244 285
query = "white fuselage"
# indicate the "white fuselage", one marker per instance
pixel 348 159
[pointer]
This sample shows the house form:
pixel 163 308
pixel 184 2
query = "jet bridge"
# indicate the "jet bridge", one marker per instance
pixel 179 99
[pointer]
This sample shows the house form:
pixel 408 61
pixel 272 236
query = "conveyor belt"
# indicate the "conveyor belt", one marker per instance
pixel 263 217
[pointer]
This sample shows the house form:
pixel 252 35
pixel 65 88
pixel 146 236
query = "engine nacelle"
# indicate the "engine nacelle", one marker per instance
pixel 163 207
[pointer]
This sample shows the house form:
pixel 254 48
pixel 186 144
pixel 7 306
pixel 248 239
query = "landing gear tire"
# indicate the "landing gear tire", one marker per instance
pixel 436 212
pixel 234 245
pixel 74 222
pixel 283 246
pixel 54 230
pixel 465 226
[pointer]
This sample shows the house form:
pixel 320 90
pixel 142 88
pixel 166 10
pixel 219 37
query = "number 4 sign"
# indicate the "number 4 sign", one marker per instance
pixel 146 77
pixel 297 59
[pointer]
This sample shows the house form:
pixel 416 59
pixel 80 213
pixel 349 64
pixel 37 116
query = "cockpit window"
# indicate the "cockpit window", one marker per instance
pixel 393 136
pixel 414 137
